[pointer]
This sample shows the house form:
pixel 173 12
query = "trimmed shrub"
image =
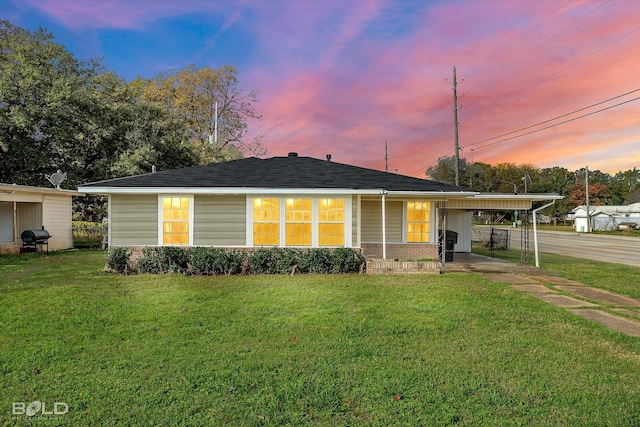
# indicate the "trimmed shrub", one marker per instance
pixel 151 261
pixel 215 261
pixel 318 261
pixel 202 260
pixel 118 259
pixel 262 261
pixel 285 260
pixel 346 260
pixel 174 259
pixel 233 262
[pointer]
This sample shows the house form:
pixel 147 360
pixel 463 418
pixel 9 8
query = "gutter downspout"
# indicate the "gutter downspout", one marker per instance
pixel 384 225
pixel 535 231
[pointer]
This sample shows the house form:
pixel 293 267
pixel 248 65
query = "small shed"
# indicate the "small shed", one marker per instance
pixel 35 208
pixel 605 218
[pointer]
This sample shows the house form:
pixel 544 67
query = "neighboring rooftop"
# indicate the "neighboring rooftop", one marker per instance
pixel 610 210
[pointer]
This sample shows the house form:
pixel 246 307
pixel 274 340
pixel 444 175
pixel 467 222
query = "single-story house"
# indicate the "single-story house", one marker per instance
pixel 35 208
pixel 295 201
pixel 606 217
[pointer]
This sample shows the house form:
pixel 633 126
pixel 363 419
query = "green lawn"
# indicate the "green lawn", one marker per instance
pixel 618 278
pixel 454 349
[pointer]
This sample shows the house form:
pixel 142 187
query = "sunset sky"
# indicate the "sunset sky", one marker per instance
pixel 341 77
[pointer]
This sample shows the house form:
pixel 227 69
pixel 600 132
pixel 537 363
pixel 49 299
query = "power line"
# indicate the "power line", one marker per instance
pixel 478 50
pixel 529 52
pixel 555 118
pixel 573 64
pixel 502 51
pixel 558 124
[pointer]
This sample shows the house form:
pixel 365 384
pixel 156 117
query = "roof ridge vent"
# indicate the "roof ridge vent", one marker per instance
pixel 293 154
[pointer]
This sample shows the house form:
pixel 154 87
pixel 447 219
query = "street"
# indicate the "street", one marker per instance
pixel 616 249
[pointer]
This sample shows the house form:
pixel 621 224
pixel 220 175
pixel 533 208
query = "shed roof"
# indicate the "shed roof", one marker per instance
pixel 608 210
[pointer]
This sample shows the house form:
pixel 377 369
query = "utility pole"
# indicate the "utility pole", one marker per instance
pixel 455 127
pixel 215 125
pixel 525 178
pixel 386 157
pixel 213 139
pixel 586 192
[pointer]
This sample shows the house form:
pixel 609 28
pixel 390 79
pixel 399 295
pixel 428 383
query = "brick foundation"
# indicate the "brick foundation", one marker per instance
pixel 401 251
pixel 10 248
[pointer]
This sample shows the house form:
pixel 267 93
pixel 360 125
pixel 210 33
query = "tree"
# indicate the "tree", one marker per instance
pixel 43 100
pixel 60 113
pixel 633 197
pixel 191 94
pixel 555 180
pixel 598 194
pixel 623 184
pixel 444 170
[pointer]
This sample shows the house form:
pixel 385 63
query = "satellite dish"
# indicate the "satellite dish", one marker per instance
pixel 57 178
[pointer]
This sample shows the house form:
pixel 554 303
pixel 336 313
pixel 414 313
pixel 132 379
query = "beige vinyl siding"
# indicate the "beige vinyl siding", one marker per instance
pixel 57 214
pixel 488 205
pixel 29 216
pixel 219 220
pixel 372 221
pixel 134 219
pixel 21 197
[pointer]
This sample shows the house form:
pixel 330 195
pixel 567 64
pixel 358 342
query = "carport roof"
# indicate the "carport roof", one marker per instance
pixel 15 188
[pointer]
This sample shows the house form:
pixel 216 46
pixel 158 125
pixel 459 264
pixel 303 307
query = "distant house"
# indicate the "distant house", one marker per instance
pixel 295 201
pixel 34 208
pixel 606 217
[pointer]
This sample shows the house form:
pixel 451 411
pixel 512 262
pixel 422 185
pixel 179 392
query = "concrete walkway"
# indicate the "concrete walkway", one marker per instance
pixel 617 312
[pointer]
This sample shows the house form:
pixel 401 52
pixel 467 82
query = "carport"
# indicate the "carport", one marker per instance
pixel 35 208
pixel 460 215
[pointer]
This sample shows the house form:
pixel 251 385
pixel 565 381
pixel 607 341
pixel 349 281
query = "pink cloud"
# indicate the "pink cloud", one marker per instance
pixel 334 77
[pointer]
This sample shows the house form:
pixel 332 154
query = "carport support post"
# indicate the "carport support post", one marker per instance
pixel 535 231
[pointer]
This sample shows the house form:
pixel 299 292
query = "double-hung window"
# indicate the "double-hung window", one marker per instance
pixel 304 221
pixel 175 219
pixel 266 222
pixel 418 222
pixel 298 222
pixel 331 222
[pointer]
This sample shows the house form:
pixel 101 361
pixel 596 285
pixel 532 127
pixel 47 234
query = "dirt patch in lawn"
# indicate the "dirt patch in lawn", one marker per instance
pixel 617 323
pixel 601 296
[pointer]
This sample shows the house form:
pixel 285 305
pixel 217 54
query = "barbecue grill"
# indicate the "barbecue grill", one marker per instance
pixel 32 238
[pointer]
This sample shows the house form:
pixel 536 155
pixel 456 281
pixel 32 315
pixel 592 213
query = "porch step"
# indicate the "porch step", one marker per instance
pixel 389 266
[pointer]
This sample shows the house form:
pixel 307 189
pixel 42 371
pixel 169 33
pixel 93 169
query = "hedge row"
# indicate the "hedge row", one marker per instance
pixel 204 261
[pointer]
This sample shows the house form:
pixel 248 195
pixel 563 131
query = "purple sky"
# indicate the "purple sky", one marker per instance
pixel 341 77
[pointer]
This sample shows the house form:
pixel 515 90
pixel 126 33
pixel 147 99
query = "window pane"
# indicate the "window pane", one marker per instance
pixel 418 222
pixel 175 224
pixel 331 222
pixel 298 217
pixel 266 214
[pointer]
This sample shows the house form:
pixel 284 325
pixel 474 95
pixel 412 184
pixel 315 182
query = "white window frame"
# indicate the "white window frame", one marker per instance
pixel 161 197
pixel 348 209
pixel 432 216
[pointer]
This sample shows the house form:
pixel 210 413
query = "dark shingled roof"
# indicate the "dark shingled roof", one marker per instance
pixel 290 172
